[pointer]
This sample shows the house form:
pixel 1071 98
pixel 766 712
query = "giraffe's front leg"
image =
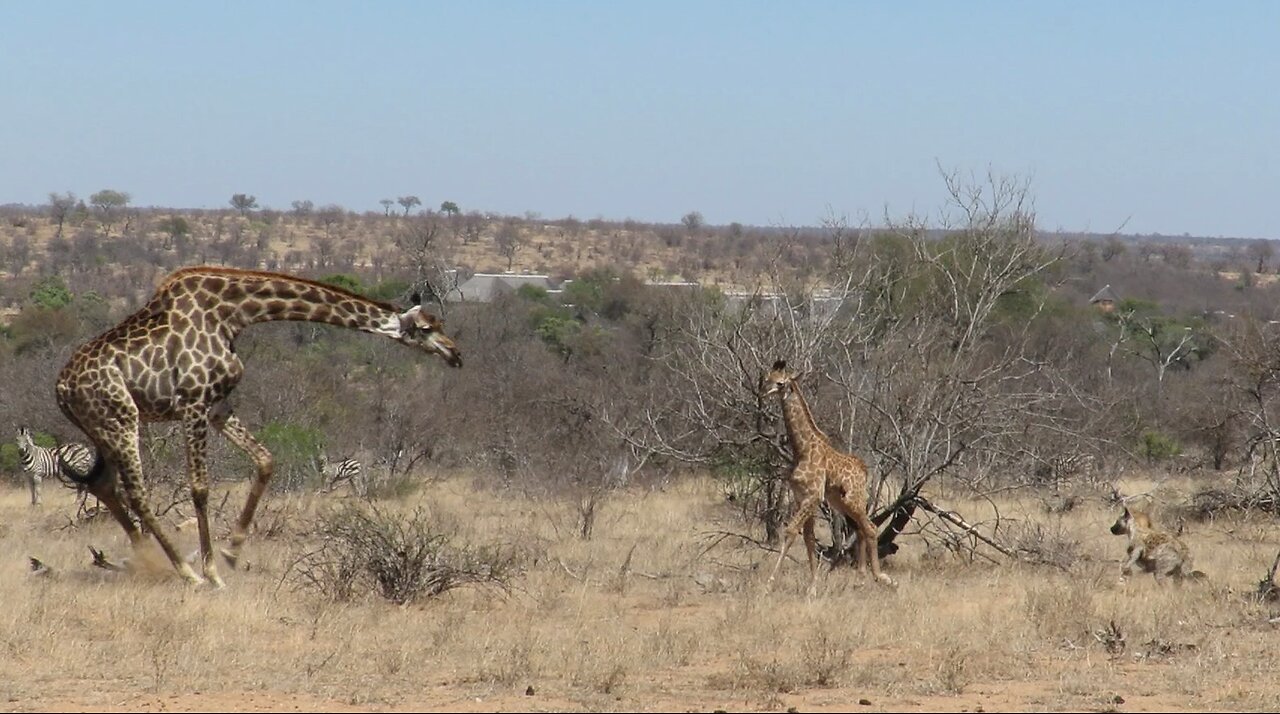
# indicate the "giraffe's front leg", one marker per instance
pixel 806 509
pixel 238 435
pixel 195 424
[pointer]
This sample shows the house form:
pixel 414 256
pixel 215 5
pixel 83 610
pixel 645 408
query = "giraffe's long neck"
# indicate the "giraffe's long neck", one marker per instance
pixel 239 298
pixel 803 431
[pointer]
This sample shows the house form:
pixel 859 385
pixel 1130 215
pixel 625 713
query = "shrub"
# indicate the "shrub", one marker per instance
pixel 1156 446
pixel 390 290
pixel 349 283
pixel 362 549
pixel 50 292
pixel 296 449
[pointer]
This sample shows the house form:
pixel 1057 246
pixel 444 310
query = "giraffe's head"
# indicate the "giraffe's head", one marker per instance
pixel 778 379
pixel 425 331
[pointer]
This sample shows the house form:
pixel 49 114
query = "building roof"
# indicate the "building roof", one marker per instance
pixel 1106 294
pixel 484 287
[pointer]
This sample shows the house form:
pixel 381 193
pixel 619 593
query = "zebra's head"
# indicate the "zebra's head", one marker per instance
pixel 24 438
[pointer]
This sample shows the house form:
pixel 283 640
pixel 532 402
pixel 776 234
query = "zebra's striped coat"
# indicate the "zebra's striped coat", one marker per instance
pixel 40 463
pixel 336 472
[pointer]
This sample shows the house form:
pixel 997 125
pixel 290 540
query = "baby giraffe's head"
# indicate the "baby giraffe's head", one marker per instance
pixel 777 379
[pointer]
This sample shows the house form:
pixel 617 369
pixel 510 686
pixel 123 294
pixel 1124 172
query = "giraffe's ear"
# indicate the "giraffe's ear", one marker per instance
pixel 780 364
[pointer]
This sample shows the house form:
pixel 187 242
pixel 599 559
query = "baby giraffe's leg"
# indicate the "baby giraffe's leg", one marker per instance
pixel 811 547
pixel 868 548
pixel 806 509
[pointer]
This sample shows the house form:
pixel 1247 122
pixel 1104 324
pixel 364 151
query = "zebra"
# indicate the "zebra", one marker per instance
pixel 335 472
pixel 40 463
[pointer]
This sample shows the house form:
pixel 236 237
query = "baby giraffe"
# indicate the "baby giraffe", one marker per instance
pixel 820 471
pixel 1152 549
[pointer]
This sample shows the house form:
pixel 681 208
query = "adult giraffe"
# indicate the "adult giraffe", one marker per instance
pixel 175 360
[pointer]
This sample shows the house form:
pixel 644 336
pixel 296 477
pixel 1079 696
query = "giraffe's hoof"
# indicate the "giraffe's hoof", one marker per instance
pixel 214 583
pixel 232 558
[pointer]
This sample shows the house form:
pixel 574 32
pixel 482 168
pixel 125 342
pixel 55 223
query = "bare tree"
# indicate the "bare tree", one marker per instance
pixel 916 346
pixel 331 215
pixel 1253 347
pixel 419 240
pixel 1112 248
pixel 60 207
pixel 692 221
pixel 508 239
pixel 1260 251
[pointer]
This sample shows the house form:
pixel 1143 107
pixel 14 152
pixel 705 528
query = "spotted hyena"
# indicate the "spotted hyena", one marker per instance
pixel 1151 549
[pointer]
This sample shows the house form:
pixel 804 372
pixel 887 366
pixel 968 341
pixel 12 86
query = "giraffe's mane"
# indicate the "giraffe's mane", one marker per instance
pixel 181 273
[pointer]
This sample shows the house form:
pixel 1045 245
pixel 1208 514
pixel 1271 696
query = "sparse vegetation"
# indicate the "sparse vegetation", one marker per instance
pixel 610 434
pixel 402 557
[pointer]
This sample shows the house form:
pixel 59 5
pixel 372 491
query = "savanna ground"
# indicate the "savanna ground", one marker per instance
pixel 642 616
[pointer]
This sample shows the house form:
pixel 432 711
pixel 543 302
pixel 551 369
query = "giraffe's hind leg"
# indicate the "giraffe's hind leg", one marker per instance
pixel 237 434
pixel 123 452
pixel 867 547
pixel 105 488
pixel 811 548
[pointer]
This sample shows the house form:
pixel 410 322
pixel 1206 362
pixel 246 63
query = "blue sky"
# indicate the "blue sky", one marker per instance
pixel 1139 116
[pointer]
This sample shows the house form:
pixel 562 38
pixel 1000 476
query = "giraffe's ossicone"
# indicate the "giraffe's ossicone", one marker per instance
pixel 174 360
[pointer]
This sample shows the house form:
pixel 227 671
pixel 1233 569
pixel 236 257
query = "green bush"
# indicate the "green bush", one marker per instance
pixel 347 282
pixel 389 290
pixel 1156 446
pixel 50 293
pixel 10 458
pixel 296 449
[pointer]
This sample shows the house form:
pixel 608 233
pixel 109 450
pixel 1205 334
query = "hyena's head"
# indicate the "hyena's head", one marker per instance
pixel 1131 522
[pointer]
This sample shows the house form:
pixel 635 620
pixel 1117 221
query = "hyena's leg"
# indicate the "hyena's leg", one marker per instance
pixel 1135 552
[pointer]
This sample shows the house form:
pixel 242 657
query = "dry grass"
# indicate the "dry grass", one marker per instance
pixel 675 629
